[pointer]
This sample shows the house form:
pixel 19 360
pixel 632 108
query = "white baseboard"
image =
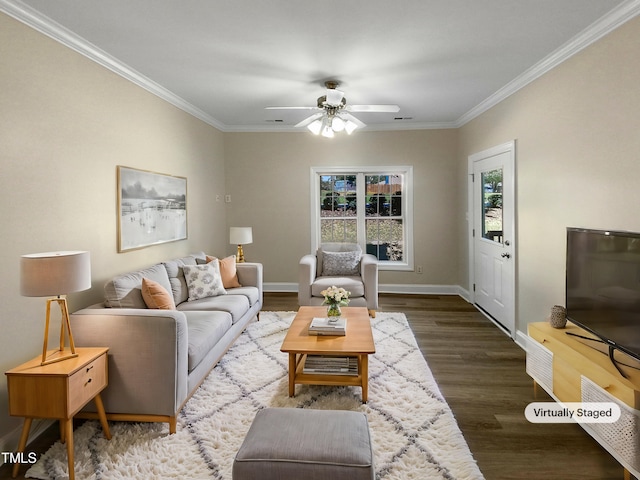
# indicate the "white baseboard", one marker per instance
pixel 280 287
pixel 417 289
pixel 521 340
pixel 9 442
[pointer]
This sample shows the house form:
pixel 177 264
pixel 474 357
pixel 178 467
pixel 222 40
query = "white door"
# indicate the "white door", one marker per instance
pixel 492 235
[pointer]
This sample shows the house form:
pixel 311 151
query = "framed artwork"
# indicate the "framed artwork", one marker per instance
pixel 152 208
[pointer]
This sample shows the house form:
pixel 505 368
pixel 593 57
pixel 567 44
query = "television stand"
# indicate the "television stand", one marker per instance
pixel 570 371
pixel 610 348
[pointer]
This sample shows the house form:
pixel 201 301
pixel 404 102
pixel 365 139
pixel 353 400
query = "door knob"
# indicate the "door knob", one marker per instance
pixel 505 255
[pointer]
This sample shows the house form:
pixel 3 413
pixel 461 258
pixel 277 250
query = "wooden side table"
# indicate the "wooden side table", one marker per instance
pixel 58 390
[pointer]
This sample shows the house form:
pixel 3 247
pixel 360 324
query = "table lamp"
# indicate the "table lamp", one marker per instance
pixel 240 236
pixel 55 274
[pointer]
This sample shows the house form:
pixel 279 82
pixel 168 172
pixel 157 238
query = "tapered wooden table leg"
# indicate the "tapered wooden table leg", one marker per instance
pixel 26 426
pixel 103 416
pixel 364 372
pixel 292 374
pixel 68 432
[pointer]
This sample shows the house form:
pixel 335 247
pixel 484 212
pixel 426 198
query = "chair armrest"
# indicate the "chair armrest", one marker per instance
pixel 306 276
pixel 148 356
pixel 369 273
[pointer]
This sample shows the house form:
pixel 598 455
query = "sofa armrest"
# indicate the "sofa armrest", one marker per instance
pixel 306 276
pixel 148 357
pixel 250 275
pixel 369 273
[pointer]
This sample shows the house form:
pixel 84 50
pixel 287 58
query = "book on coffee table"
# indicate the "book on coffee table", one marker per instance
pixel 330 365
pixel 322 326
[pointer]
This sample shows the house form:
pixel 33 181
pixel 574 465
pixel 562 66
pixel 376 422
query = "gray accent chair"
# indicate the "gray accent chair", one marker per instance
pixel 361 281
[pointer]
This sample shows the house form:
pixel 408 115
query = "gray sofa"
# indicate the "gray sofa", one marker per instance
pixel 158 358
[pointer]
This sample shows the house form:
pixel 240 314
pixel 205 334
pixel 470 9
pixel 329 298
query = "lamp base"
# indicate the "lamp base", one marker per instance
pixel 240 255
pixel 65 325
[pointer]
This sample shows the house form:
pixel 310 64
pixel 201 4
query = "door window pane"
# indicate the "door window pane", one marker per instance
pixel 491 191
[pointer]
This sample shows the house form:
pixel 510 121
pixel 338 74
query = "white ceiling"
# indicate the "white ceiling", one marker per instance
pixel 442 61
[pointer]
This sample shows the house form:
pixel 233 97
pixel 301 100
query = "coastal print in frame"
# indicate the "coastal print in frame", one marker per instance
pixel 152 208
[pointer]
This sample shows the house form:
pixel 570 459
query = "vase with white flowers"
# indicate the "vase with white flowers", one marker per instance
pixel 335 297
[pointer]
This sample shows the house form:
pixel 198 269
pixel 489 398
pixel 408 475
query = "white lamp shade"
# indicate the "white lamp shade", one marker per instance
pixel 54 273
pixel 240 235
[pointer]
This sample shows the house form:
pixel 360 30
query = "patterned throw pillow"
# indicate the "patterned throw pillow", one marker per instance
pixel 204 280
pixel 340 263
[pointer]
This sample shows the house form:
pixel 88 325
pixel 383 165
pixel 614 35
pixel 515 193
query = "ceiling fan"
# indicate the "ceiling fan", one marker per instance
pixel 333 113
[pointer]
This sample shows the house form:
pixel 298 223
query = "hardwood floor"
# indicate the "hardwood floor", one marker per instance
pixel 481 373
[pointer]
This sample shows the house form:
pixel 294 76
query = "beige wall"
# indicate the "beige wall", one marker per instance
pixel 577 160
pixel 65 124
pixel 268 177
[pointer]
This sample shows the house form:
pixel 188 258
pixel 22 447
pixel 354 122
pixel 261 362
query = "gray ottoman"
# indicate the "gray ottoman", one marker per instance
pixel 295 443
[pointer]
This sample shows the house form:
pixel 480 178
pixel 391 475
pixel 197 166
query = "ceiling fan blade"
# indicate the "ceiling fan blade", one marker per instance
pixel 291 108
pixel 309 120
pixel 372 108
pixel 348 116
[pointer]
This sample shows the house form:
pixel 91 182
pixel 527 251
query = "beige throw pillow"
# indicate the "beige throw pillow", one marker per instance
pixel 228 271
pixel 156 296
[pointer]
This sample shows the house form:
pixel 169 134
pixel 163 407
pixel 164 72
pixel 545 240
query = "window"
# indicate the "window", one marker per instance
pixel 368 206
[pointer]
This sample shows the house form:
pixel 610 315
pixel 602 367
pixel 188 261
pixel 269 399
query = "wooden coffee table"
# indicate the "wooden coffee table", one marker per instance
pixel 358 342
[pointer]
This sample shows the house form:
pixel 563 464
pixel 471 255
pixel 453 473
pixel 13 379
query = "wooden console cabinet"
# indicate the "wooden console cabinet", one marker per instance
pixel 570 370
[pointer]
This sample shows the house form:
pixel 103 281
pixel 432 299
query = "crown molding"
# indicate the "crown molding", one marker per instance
pixel 52 29
pixel 609 22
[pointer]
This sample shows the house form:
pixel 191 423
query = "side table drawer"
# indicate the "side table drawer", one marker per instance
pixel 86 383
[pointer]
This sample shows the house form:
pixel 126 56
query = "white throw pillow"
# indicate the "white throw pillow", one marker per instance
pixel 204 280
pixel 340 263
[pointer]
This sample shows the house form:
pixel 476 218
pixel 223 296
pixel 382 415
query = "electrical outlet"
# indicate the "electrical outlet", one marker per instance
pixel 218 198
pixel 419 269
pixel 227 198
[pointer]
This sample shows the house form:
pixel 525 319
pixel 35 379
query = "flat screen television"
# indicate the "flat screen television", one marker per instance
pixel 603 287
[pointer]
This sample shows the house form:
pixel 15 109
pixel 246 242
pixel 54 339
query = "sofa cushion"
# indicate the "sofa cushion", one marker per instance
pixel 205 330
pixel 124 291
pixel 204 280
pixel 252 293
pixel 156 296
pixel 176 277
pixel 352 284
pixel 340 263
pixel 236 305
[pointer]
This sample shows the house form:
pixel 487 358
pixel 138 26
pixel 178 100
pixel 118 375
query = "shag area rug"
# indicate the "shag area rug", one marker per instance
pixel 414 432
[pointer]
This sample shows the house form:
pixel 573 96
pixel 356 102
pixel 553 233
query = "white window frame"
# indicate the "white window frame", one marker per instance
pixel 407 208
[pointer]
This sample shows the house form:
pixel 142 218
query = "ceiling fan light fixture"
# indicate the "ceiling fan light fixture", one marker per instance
pixel 334 97
pixel 327 132
pixel 315 127
pixel 337 124
pixel 349 127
